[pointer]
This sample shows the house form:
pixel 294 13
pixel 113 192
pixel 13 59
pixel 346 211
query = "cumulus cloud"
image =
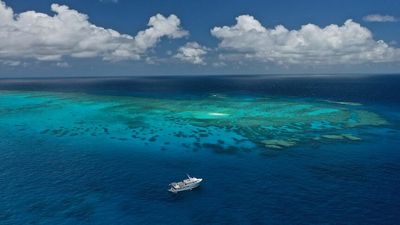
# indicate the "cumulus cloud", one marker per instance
pixel 349 43
pixel 69 33
pixel 380 18
pixel 192 52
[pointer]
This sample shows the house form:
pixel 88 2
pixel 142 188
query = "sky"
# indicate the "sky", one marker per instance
pixel 186 37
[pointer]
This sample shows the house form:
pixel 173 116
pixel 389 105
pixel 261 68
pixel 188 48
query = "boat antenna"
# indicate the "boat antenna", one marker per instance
pixel 188 176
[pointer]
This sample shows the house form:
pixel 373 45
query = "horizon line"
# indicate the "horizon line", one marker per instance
pixel 205 75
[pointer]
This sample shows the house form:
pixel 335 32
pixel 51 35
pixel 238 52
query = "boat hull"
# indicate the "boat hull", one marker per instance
pixel 187 188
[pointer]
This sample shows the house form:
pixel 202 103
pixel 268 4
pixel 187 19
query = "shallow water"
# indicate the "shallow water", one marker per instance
pixel 102 151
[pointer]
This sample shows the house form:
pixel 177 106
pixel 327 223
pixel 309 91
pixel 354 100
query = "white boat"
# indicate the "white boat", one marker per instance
pixel 185 185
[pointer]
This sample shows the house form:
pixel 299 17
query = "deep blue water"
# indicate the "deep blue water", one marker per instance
pixel 51 180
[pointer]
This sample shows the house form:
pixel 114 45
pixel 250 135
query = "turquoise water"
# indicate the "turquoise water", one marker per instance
pixel 104 153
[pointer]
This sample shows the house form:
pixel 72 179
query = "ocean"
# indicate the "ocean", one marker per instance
pixel 271 150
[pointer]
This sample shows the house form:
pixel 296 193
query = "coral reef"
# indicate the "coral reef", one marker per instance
pixel 274 123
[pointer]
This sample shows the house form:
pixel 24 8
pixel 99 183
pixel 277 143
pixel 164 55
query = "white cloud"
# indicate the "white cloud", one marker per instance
pixel 10 62
pixel 192 52
pixel 380 18
pixel 219 64
pixel 349 43
pixel 159 27
pixel 62 64
pixel 69 33
pixel 112 1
